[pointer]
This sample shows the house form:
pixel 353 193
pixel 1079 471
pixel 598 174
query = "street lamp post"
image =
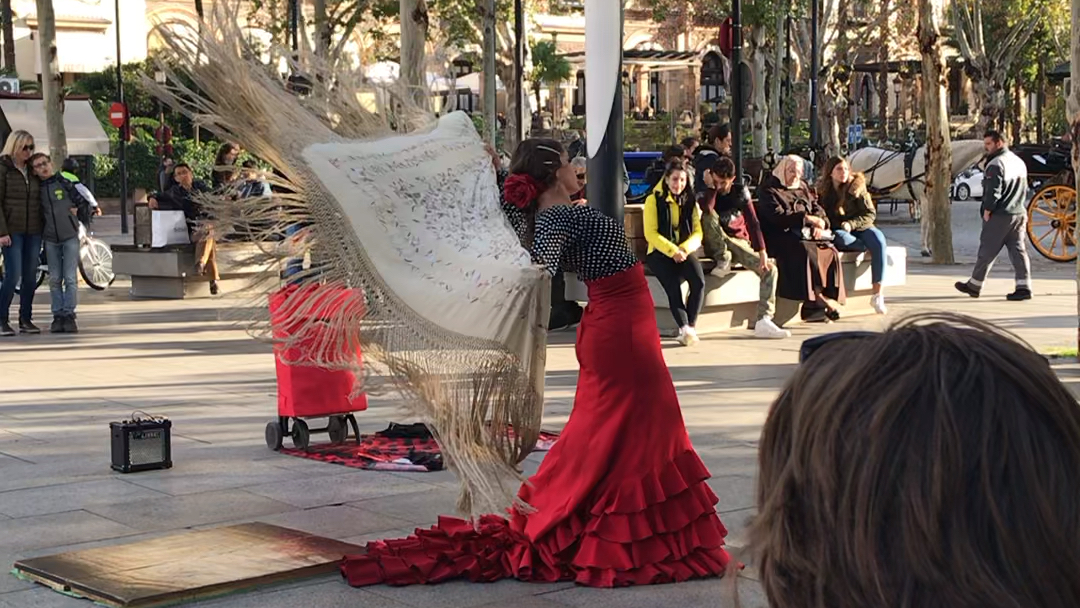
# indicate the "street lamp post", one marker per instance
pixel 122 160
pixel 604 105
pixel 160 78
pixel 737 101
pixel 815 67
pixel 519 68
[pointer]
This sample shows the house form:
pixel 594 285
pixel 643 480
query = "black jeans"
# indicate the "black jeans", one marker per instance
pixel 671 274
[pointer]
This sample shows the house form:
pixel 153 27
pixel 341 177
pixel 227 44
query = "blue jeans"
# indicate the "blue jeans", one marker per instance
pixel 63 261
pixel 871 240
pixel 20 268
pixel 293 265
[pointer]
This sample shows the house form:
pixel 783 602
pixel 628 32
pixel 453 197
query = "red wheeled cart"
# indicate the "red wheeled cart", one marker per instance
pixel 305 391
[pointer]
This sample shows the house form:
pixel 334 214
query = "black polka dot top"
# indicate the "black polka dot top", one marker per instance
pixel 579 239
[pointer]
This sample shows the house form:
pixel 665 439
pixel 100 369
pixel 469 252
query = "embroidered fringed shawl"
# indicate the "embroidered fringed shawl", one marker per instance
pixel 412 261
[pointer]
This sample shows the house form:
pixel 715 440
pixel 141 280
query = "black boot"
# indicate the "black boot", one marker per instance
pixel 965 287
pixel 5 329
pixel 1021 294
pixel 27 327
pixel 213 288
pixel 57 326
pixel 70 327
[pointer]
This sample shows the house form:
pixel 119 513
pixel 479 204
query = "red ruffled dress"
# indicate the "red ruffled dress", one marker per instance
pixel 622 497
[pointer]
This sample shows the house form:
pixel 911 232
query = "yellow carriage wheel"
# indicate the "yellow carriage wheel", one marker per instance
pixel 1052 222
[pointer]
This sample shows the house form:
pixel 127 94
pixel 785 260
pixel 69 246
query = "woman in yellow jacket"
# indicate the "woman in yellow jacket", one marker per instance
pixel 673 230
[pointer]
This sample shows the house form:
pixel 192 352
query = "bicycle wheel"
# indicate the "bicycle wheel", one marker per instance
pixel 95 263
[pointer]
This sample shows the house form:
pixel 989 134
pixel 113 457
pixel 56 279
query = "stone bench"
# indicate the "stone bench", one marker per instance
pixel 731 302
pixel 168 273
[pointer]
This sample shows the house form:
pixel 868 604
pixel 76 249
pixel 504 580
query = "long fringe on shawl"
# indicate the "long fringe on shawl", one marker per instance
pixel 469 391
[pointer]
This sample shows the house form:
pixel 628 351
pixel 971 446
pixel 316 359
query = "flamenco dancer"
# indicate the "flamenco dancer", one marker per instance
pixel 622 497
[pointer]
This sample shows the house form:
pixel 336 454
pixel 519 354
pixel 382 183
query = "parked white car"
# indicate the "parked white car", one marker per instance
pixel 969 184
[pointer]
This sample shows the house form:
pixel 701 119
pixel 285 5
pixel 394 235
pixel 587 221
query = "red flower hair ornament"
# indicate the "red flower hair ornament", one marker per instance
pixel 520 190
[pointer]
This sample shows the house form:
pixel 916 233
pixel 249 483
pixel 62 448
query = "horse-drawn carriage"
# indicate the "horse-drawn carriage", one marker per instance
pixel 1052 209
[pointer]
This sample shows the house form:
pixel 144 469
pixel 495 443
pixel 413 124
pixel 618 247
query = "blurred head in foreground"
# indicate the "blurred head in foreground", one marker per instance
pixel 931 466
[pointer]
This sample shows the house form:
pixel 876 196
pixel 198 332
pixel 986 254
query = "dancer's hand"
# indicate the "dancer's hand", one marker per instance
pixel 5 241
pixel 495 160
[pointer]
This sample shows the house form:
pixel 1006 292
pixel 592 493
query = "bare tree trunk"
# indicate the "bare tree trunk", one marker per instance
pixel 883 75
pixel 776 118
pixel 414 25
pixel 1073 105
pixel 9 35
pixel 322 30
pixel 938 144
pixel 52 85
pixel 991 98
pixel 759 113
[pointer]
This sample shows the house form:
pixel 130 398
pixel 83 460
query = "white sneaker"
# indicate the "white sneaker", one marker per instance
pixel 766 329
pixel 878 303
pixel 722 269
pixel 688 337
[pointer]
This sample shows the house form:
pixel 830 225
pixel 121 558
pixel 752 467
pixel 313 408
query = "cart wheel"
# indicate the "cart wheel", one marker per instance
pixel 1052 222
pixel 301 437
pixel 337 429
pixel 273 435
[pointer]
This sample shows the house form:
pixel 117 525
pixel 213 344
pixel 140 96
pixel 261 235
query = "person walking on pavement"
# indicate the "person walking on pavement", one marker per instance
pixel 20 231
pixel 1004 219
pixel 61 205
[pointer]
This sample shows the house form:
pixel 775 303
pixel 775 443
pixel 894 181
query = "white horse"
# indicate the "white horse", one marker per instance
pixel 885 171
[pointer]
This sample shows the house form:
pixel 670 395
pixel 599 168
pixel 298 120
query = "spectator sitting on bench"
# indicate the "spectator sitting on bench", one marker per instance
pixel 672 226
pixel 732 232
pixel 580 165
pixel 717 144
pixel 183 197
pixel 852 212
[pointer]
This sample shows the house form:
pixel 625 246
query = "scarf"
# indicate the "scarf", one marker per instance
pixel 416 267
pixel 781 169
pixel 663 216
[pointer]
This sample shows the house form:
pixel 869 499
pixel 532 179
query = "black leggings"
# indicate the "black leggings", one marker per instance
pixel 671 274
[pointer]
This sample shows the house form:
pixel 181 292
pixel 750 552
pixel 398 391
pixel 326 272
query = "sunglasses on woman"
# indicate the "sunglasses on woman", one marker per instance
pixel 811 346
pixel 28 148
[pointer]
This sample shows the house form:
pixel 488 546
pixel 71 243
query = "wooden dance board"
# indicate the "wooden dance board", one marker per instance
pixel 188 566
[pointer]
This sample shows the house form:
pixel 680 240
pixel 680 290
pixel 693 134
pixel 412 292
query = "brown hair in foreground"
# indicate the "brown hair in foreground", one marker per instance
pixel 933 466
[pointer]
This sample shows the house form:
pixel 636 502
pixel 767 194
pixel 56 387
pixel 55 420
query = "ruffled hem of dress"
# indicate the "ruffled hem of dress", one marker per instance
pixel 659 528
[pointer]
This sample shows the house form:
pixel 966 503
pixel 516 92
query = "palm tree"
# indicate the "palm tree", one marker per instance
pixel 550 69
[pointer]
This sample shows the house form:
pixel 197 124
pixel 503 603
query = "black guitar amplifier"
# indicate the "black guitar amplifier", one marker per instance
pixel 141 444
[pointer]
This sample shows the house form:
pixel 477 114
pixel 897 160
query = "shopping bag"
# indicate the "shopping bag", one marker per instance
pixel 306 390
pixel 168 228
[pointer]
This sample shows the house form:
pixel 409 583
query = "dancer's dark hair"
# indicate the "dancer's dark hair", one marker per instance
pixel 540 159
pixel 931 466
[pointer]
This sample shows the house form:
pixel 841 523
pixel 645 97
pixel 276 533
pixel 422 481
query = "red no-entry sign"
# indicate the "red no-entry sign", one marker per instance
pixel 118 114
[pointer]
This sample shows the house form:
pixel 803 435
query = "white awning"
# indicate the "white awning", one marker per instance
pixel 81 51
pixel 84 132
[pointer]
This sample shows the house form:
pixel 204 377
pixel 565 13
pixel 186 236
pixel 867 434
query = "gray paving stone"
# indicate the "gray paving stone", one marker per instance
pixel 40 597
pixel 59 529
pixel 419 508
pixel 337 522
pixel 324 591
pixel 462 594
pixel 339 489
pixel 711 593
pixel 70 497
pixel 171 513
pixel 209 474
